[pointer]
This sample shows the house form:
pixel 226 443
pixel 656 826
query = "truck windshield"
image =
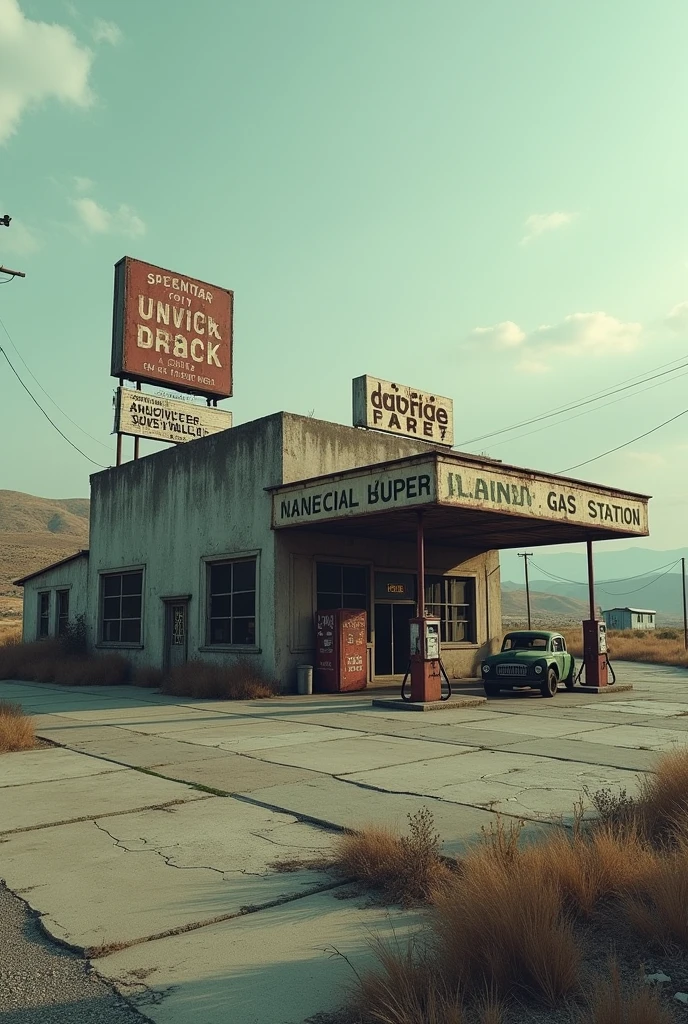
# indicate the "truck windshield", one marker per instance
pixel 524 643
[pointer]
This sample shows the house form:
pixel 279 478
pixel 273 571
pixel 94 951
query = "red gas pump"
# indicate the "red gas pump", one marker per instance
pixel 595 658
pixel 425 665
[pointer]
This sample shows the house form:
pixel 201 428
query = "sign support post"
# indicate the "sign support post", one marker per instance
pixel 137 438
pixel 118 457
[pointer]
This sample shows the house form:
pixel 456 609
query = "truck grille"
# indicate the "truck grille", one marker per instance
pixel 512 670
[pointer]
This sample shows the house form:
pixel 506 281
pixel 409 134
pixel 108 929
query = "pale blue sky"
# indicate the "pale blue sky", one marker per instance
pixel 375 179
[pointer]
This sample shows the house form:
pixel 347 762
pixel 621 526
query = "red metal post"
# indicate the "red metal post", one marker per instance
pixel 595 660
pixel 420 542
pixel 591 581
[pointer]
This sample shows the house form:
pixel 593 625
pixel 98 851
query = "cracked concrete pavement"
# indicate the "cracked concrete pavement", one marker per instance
pixel 150 835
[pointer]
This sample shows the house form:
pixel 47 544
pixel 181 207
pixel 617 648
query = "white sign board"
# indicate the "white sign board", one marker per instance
pixel 164 419
pixel 537 497
pixel 406 411
pixel 352 495
pixel 444 480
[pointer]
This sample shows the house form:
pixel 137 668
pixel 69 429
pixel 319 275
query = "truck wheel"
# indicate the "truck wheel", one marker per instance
pixel 491 690
pixel 571 677
pixel 549 686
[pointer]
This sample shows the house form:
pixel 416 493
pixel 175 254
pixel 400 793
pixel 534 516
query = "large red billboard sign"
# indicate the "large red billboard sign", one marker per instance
pixel 171 330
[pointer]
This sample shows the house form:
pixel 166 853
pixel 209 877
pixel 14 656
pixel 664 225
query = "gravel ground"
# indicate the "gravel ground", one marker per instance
pixel 42 983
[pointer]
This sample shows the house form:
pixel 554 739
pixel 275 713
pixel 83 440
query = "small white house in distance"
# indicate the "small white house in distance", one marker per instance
pixel 630 618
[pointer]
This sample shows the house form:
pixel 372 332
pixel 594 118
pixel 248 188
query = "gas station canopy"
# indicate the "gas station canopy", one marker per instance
pixel 474 502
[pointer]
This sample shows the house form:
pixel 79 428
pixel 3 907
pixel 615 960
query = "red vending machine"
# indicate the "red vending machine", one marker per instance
pixel 341 656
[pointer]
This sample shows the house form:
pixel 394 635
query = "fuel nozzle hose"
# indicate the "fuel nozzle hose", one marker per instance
pixel 609 666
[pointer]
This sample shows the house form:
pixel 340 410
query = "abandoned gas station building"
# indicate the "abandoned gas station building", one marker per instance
pixel 226 547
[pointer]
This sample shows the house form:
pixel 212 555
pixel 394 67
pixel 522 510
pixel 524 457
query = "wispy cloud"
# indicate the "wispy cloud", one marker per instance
pixel 677 318
pixel 540 223
pixel 106 32
pixel 507 334
pixel 82 184
pixel 580 334
pixel 38 62
pixel 97 220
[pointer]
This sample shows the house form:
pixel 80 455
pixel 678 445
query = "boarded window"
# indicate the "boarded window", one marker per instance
pixel 232 603
pixel 44 614
pixel 62 612
pixel 452 600
pixel 342 586
pixel 121 607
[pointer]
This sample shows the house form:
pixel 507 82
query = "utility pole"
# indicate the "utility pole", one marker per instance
pixel 525 555
pixel 5 223
pixel 685 616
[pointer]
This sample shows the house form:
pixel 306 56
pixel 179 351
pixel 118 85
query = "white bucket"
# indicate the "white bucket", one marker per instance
pixel 304 679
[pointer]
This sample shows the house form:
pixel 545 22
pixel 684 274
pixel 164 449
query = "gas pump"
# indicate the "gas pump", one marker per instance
pixel 425 665
pixel 595 654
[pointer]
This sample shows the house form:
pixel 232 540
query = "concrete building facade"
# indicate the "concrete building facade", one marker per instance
pixel 224 548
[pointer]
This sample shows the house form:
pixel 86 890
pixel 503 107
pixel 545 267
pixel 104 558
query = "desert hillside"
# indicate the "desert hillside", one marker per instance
pixel 35 532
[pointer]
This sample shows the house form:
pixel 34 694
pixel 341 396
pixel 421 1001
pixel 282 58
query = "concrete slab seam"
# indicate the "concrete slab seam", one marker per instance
pixel 452 803
pixel 97 952
pixel 107 814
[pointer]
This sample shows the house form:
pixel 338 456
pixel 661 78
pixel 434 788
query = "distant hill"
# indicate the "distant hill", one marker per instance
pixel 613 561
pixel 658 593
pixel 33 533
pixel 554 609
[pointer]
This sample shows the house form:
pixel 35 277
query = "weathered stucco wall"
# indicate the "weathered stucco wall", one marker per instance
pixel 315 447
pixel 169 511
pixel 72 576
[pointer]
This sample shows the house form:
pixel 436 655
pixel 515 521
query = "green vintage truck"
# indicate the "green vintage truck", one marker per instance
pixel 533 658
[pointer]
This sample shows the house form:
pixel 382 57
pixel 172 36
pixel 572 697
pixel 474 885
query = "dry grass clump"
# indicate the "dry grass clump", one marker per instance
pixel 609 1003
pixel 148 676
pixel 504 929
pixel 660 811
pixel 589 867
pixel 16 729
pixel 10 635
pixel 655 646
pixel 509 922
pixel 658 909
pixel 47 661
pixel 242 680
pixel 408 869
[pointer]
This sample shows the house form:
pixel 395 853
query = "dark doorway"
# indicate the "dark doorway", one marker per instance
pixel 392 644
pixel 176 632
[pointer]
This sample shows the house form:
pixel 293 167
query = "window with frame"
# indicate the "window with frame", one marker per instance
pixel 44 614
pixel 121 607
pixel 452 600
pixel 232 602
pixel 342 586
pixel 62 612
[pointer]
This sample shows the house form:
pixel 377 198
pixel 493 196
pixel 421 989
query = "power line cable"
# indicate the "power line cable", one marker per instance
pixel 621 579
pixel 586 412
pixel 596 396
pixel 618 448
pixel 50 421
pixel 50 399
pixel 625 593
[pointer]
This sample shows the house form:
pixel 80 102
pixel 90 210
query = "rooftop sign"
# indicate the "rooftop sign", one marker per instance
pixel 171 330
pixel 164 419
pixel 401 410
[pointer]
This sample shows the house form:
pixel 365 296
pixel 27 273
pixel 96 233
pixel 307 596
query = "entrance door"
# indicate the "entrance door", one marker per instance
pixel 176 628
pixel 392 643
